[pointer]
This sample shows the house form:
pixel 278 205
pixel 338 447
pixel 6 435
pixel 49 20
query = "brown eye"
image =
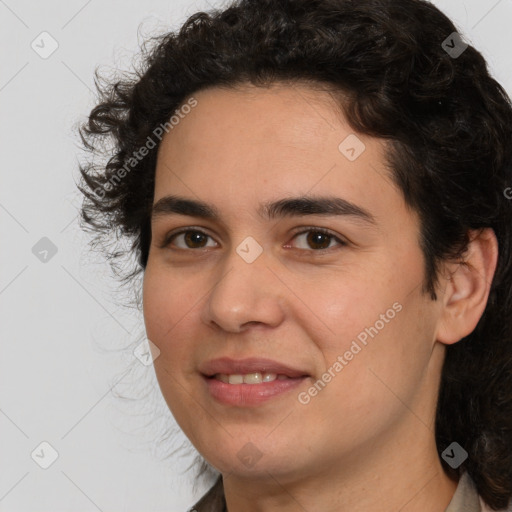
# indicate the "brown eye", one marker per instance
pixel 191 239
pixel 194 239
pixel 318 239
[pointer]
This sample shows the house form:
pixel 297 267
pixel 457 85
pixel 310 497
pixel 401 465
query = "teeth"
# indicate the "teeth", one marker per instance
pixel 252 378
pixel 249 378
pixel 236 379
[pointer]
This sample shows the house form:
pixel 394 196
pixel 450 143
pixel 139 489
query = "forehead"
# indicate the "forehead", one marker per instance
pixel 281 114
pixel 238 148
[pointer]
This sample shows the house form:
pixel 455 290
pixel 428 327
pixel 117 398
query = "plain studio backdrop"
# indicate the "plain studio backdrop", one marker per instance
pixel 69 441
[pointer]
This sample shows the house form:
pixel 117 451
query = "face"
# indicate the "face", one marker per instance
pixel 325 294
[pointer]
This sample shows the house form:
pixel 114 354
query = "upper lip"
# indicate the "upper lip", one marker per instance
pixel 230 366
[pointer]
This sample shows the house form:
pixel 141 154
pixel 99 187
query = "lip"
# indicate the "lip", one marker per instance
pixel 249 395
pixel 249 365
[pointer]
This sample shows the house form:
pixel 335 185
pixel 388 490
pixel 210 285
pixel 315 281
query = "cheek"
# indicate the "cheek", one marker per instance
pixel 171 306
pixel 164 304
pixel 350 306
pixel 375 383
pixel 165 310
pixel 382 332
pixel 167 296
pixel 387 355
pixel 155 299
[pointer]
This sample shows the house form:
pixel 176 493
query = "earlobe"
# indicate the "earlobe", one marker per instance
pixel 467 288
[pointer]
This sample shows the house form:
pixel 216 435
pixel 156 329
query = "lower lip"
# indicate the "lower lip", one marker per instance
pixel 246 395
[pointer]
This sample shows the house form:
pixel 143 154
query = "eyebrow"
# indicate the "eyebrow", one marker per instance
pixel 287 207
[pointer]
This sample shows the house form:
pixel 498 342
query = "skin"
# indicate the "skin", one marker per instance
pixel 366 440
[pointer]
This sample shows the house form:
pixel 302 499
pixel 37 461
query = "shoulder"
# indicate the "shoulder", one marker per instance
pixel 467 499
pixel 213 500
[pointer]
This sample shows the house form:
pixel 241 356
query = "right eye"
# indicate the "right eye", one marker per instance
pixel 192 239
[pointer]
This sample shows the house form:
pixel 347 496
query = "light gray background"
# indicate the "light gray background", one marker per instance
pixel 66 341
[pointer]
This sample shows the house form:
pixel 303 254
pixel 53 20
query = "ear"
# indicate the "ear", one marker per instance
pixel 467 288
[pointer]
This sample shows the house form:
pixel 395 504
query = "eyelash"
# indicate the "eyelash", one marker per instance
pixel 169 238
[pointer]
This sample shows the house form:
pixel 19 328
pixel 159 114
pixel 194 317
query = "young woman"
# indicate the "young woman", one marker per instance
pixel 316 193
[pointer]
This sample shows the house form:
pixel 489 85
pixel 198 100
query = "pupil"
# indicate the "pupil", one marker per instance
pixel 315 237
pixel 194 237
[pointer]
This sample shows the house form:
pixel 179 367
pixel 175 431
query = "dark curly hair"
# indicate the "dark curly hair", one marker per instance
pixel 448 125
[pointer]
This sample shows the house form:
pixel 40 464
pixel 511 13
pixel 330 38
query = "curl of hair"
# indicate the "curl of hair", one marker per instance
pixel 448 125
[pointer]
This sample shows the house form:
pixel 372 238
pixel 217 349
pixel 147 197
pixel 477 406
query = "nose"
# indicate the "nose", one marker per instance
pixel 244 294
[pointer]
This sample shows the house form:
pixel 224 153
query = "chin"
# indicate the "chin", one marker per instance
pixel 256 461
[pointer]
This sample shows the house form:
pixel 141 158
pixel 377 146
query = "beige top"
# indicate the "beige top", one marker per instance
pixel 465 499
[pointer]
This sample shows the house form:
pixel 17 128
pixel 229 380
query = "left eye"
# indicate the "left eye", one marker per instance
pixel 319 239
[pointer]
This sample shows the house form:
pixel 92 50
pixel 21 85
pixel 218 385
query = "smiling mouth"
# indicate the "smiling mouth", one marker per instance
pixel 250 389
pixel 249 378
pixel 249 382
